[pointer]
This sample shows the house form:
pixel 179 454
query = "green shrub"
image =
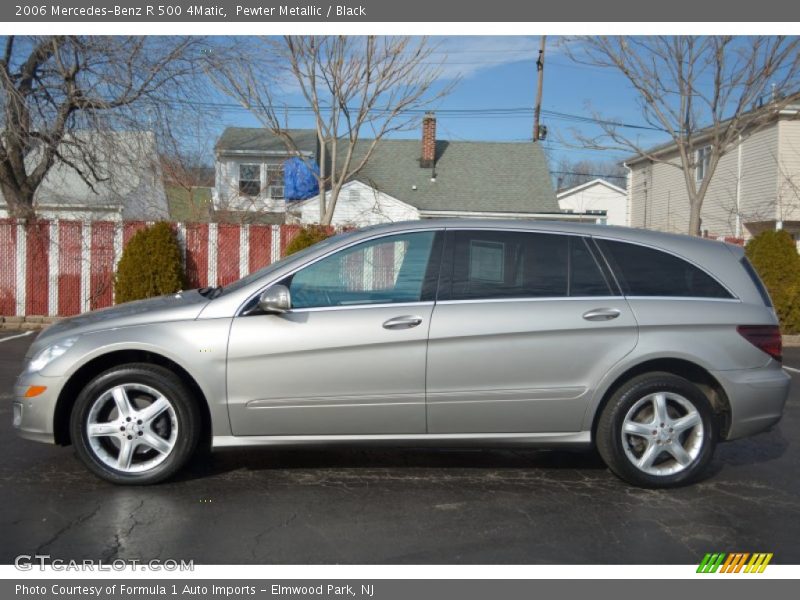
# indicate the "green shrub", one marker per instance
pixel 150 265
pixel 307 236
pixel 774 257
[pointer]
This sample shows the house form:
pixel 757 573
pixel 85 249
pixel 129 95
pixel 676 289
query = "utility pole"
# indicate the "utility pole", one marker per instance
pixel 538 108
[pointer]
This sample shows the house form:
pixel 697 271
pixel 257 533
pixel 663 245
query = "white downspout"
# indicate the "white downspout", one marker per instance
pixel 739 188
pixel 629 195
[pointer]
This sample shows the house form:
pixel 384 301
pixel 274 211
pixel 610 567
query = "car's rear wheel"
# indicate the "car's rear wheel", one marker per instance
pixel 135 424
pixel 657 430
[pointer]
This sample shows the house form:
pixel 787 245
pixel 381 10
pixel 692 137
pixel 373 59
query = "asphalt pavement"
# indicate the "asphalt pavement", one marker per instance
pixel 422 506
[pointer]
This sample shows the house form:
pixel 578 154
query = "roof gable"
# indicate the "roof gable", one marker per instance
pixel 584 186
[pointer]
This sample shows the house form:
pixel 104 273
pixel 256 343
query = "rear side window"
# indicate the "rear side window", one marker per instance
pixel 757 281
pixel 643 271
pixel 490 265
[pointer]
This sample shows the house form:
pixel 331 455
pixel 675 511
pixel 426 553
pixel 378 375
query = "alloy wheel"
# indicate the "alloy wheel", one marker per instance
pixel 662 434
pixel 132 427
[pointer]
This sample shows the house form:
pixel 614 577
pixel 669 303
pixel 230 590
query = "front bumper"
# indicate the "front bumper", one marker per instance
pixel 756 396
pixel 34 417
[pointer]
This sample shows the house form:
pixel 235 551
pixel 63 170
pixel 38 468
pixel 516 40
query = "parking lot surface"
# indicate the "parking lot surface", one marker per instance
pixel 399 506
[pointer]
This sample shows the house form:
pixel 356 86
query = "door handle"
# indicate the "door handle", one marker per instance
pixel 404 322
pixel 601 314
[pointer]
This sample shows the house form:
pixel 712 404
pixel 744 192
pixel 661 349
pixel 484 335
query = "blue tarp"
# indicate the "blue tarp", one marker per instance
pixel 300 179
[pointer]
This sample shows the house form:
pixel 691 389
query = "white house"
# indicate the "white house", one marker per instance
pixel 596 196
pixel 130 184
pixel 358 204
pixel 249 178
pixel 756 184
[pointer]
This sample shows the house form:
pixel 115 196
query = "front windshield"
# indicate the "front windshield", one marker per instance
pixel 264 271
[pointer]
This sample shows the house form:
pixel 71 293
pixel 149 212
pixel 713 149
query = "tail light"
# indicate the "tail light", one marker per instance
pixel 766 338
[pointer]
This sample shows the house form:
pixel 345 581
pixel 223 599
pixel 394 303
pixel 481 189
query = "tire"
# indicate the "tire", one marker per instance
pixel 158 426
pixel 647 453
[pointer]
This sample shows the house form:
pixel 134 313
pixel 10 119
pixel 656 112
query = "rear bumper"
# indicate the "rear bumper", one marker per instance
pixel 34 417
pixel 756 396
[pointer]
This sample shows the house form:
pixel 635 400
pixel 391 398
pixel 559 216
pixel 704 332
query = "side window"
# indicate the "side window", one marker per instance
pixel 506 264
pixel 391 269
pixel 275 181
pixel 249 179
pixel 643 271
pixel 702 158
pixel 585 276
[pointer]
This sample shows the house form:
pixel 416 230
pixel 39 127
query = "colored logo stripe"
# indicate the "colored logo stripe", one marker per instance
pixel 711 563
pixel 734 562
pixel 758 563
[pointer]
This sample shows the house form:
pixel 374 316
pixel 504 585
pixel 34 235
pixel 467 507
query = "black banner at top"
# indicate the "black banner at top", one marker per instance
pixel 71 11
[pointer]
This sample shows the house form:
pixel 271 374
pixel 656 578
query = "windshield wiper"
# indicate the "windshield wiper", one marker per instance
pixel 210 292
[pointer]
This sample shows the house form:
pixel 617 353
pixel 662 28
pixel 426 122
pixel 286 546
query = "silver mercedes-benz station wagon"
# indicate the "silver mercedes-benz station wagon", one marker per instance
pixel 650 347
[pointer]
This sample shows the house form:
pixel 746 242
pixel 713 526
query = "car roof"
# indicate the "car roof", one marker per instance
pixel 674 242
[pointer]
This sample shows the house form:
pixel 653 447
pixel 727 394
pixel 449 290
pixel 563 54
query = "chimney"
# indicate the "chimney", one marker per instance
pixel 428 157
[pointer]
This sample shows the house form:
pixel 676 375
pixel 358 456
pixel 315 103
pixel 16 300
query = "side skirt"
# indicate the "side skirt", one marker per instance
pixel 543 440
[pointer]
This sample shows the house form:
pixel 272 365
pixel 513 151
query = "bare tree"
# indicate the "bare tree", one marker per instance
pixel 705 93
pixel 570 173
pixel 59 93
pixel 186 163
pixel 358 89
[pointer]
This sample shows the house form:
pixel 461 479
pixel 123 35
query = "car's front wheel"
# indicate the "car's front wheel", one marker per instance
pixel 657 431
pixel 135 424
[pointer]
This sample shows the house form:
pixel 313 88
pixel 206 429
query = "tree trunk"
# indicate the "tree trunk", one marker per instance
pixel 20 204
pixel 328 219
pixel 322 178
pixel 694 217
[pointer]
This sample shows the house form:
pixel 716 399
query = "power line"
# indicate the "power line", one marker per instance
pixel 486 112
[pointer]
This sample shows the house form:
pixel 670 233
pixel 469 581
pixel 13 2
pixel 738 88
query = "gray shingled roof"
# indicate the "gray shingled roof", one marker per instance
pixel 262 141
pixel 470 176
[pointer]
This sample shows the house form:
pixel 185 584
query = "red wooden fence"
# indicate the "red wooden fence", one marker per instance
pixel 62 268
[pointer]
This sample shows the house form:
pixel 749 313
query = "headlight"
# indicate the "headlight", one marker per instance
pixel 47 355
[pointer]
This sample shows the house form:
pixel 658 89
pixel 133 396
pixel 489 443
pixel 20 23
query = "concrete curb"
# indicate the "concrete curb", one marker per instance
pixel 20 323
pixel 791 341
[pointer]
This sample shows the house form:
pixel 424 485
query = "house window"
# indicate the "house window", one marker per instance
pixel 275 181
pixel 702 156
pixel 249 179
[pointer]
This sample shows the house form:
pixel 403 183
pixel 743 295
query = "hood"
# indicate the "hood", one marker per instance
pixel 185 305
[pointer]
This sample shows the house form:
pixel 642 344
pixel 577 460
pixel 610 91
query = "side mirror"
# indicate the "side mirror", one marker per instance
pixel 276 299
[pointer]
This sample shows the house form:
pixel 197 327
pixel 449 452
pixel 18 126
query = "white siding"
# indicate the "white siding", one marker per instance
pixel 358 205
pixel 597 196
pixel 718 216
pixel 760 176
pixel 73 213
pixel 789 171
pixel 658 197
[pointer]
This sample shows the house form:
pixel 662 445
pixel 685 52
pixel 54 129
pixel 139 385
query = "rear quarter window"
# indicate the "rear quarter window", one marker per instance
pixel 645 271
pixel 762 290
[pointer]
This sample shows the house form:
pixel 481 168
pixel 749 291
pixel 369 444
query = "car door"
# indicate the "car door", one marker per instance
pixel 525 325
pixel 349 357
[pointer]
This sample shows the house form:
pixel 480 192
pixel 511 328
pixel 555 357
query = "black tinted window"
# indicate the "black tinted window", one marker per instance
pixel 585 276
pixel 756 281
pixel 643 271
pixel 494 264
